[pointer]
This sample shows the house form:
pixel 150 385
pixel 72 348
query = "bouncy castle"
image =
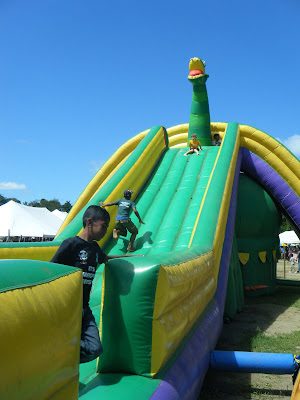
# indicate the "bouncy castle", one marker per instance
pixel 210 236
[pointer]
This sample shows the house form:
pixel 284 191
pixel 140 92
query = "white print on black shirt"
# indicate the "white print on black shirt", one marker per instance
pixel 89 276
pixel 83 256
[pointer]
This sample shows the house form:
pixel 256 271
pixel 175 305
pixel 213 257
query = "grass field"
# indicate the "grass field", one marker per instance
pixel 267 324
pixel 284 271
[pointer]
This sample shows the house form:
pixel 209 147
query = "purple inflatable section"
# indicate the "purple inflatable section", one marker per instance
pixel 273 183
pixel 185 377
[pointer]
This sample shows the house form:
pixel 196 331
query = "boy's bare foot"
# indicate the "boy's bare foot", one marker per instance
pixel 115 234
pixel 129 248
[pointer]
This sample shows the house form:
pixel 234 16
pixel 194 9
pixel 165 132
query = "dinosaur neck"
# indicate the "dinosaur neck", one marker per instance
pixel 199 116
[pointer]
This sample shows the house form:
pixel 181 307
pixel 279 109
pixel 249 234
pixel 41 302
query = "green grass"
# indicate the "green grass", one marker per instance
pixel 288 296
pixel 231 385
pixel 288 343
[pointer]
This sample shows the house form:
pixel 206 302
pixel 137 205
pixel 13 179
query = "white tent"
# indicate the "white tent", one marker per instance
pixel 60 214
pixel 288 237
pixel 19 220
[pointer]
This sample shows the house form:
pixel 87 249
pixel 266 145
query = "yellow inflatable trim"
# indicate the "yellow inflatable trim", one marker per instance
pixel 173 325
pixel 28 253
pixel 223 214
pixel 296 390
pixel 42 325
pixel 244 258
pixel 108 169
pixel 137 175
pixel 262 256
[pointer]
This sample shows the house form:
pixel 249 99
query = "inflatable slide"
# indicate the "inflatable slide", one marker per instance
pixel 159 315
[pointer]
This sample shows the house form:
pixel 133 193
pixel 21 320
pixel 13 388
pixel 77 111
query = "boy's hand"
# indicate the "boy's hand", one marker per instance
pixel 101 203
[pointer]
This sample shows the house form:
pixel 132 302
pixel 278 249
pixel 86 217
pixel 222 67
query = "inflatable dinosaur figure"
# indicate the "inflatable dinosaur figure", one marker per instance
pixel 199 116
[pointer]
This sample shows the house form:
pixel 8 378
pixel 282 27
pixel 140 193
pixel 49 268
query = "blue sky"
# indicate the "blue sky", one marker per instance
pixel 80 77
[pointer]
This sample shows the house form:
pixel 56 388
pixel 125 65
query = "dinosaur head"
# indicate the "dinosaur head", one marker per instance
pixel 197 70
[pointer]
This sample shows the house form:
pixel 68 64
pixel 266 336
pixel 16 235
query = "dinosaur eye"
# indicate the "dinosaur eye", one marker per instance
pixel 204 63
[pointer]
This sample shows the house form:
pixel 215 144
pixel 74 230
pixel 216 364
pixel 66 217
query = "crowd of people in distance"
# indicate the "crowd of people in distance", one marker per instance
pixel 23 239
pixel 292 254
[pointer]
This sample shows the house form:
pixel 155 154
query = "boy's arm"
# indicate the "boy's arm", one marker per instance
pixel 63 254
pixel 107 204
pixel 125 255
pixel 107 258
pixel 138 215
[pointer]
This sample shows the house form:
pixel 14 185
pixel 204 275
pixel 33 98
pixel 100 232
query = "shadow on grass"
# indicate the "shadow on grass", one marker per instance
pixel 246 333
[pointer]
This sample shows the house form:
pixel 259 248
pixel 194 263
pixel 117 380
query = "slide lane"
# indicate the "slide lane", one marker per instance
pixel 196 286
pixel 169 202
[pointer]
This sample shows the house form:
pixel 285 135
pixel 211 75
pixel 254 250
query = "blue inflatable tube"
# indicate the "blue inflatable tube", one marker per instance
pixel 240 361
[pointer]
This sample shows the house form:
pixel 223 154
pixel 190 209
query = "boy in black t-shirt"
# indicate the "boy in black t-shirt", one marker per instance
pixel 83 252
pixel 123 222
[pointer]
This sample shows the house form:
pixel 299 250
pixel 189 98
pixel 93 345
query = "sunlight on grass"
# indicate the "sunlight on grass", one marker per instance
pixel 288 343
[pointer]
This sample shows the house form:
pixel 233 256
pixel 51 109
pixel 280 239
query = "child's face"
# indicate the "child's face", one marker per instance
pixel 194 138
pixel 98 229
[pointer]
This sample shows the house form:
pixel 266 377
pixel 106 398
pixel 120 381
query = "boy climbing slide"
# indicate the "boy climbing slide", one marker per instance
pixel 123 222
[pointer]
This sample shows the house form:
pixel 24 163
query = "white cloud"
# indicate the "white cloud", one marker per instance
pixel 293 144
pixel 95 166
pixel 12 186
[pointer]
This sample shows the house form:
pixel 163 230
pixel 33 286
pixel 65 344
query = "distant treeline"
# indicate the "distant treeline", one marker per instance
pixel 285 225
pixel 51 205
pixel 54 204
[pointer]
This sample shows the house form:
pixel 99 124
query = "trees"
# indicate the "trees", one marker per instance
pixel 4 200
pixel 285 225
pixel 66 207
pixel 51 205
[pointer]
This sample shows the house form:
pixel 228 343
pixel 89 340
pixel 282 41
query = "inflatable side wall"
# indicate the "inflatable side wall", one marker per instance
pixel 40 328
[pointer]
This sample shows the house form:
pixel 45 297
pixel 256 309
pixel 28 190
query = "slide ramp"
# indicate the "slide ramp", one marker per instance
pixel 180 265
pixel 161 315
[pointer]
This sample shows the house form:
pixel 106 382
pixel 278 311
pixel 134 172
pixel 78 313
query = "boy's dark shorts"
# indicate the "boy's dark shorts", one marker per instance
pixel 125 225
